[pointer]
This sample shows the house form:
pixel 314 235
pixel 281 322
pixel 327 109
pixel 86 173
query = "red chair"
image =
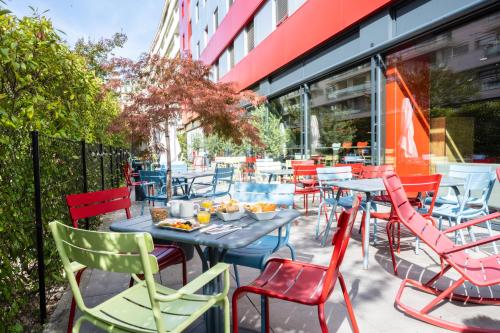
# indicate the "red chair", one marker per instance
pixel 128 174
pixel 498 174
pixel 356 168
pixel 305 180
pixel 419 187
pixel 302 282
pixel 86 205
pixel 301 162
pixel 478 272
pixel 249 168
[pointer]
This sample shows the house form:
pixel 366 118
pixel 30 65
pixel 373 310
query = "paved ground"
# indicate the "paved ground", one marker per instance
pixel 372 291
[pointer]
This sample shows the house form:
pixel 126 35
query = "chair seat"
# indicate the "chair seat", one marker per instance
pixel 452 211
pixel 306 190
pixel 131 310
pixel 452 200
pixel 309 182
pixel 344 201
pixel 253 254
pixel 481 272
pixel 293 281
pixel 168 255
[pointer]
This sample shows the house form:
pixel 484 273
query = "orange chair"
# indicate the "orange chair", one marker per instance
pixel 301 162
pixel 305 180
pixel 355 167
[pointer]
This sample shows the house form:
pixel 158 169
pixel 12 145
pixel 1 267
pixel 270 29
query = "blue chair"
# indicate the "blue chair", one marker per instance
pixel 463 171
pixel 477 182
pixel 218 187
pixel 179 167
pixel 154 187
pixel 256 254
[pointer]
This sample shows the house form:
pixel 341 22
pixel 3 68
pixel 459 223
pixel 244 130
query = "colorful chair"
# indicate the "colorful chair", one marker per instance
pixel 305 181
pixel 256 254
pixel 86 205
pixel 479 272
pixel 456 213
pixel 356 168
pixel 327 196
pixel 301 282
pixel 145 307
pixel 420 187
pixel 213 189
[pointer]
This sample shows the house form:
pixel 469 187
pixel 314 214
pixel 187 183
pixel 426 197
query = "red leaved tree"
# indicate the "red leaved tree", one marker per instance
pixel 163 89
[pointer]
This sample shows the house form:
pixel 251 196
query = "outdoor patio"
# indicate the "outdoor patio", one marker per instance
pixel 372 291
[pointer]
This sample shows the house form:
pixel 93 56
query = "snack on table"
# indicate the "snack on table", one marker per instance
pixel 261 207
pixel 232 206
pixel 179 224
pixel 158 214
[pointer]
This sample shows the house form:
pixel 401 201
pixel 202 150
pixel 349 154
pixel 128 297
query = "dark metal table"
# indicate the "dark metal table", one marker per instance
pixel 217 244
pixel 370 187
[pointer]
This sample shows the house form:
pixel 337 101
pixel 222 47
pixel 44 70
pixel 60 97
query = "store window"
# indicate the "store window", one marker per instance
pixel 288 107
pixel 443 99
pixel 340 116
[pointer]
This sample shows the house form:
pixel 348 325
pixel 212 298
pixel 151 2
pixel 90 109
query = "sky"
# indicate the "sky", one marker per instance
pixel 94 19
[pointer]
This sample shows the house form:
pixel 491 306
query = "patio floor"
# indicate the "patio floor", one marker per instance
pixel 372 291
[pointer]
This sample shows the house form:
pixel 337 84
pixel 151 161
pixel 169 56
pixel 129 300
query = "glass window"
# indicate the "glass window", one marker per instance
pixel 281 10
pixel 340 115
pixel 250 36
pixel 216 19
pixel 288 107
pixel 443 99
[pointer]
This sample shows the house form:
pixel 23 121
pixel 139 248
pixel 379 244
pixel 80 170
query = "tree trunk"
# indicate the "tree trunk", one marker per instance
pixel 169 161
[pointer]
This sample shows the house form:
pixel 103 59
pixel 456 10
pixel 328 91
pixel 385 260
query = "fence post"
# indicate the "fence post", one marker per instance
pixel 35 151
pixel 111 168
pixel 101 154
pixel 84 175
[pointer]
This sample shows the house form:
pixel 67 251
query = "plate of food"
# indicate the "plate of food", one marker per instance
pixel 230 211
pixel 179 224
pixel 262 211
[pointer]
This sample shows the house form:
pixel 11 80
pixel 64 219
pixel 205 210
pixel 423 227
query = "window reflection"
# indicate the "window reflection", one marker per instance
pixel 288 107
pixel 452 82
pixel 340 116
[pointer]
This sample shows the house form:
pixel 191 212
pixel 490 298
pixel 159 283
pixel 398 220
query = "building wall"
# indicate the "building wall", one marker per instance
pixel 166 41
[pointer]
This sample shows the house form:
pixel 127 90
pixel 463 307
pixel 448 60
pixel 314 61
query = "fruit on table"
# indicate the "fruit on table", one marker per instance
pixel 261 207
pixel 232 206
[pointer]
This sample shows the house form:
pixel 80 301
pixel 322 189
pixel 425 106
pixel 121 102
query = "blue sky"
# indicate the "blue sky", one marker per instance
pixel 100 18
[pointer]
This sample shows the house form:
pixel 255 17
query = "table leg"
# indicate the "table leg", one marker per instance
pixel 367 230
pixel 270 178
pixel 330 218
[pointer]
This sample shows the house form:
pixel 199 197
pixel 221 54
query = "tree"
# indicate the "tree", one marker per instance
pixel 164 89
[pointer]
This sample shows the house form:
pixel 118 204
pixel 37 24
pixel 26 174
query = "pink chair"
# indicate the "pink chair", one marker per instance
pixel 481 272
pixel 304 283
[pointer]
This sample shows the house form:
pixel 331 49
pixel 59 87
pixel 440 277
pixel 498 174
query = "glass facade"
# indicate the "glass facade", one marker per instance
pixel 340 114
pixel 443 99
pixel 289 108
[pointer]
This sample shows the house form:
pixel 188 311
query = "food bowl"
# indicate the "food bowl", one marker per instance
pixel 263 216
pixel 158 214
pixel 262 211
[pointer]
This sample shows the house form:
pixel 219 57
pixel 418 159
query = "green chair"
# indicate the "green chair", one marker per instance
pixel 145 307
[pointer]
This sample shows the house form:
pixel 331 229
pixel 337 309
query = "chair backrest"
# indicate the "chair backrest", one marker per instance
pixel 179 167
pixel 362 144
pixel 127 171
pixel 498 174
pixel 85 205
pixel 327 175
pixel 376 171
pixel 280 194
pixel 339 242
pixel 481 177
pixel 425 185
pixel 267 165
pixel 415 222
pixel 112 252
pixel 356 168
pixel 301 162
pixel 223 175
pixel 346 144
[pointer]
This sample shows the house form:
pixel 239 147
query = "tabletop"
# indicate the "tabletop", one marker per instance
pixel 284 172
pixel 377 184
pixel 250 232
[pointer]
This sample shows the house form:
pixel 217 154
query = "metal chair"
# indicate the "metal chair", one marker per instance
pixel 256 254
pixel 480 272
pixel 213 189
pixel 302 282
pixel 145 307
pixel 327 196
pixel 91 204
pixel 477 182
pixel 305 181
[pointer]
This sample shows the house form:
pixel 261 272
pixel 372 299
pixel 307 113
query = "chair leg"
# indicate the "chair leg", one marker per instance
pixel 390 231
pixel 321 205
pixel 143 202
pixel 348 304
pixel 236 275
pixel 235 311
pixel 227 316
pixel 73 304
pixel 265 309
pixel 321 317
pixel 488 225
pixel 292 250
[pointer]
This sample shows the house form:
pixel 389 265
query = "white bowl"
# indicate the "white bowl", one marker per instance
pixel 231 216
pixel 263 216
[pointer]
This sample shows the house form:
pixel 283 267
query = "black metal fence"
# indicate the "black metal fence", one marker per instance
pixel 36 172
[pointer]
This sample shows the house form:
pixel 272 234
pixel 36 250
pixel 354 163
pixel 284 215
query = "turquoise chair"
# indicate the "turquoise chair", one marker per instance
pixel 256 254
pixel 215 188
pixel 147 306
pixel 154 188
